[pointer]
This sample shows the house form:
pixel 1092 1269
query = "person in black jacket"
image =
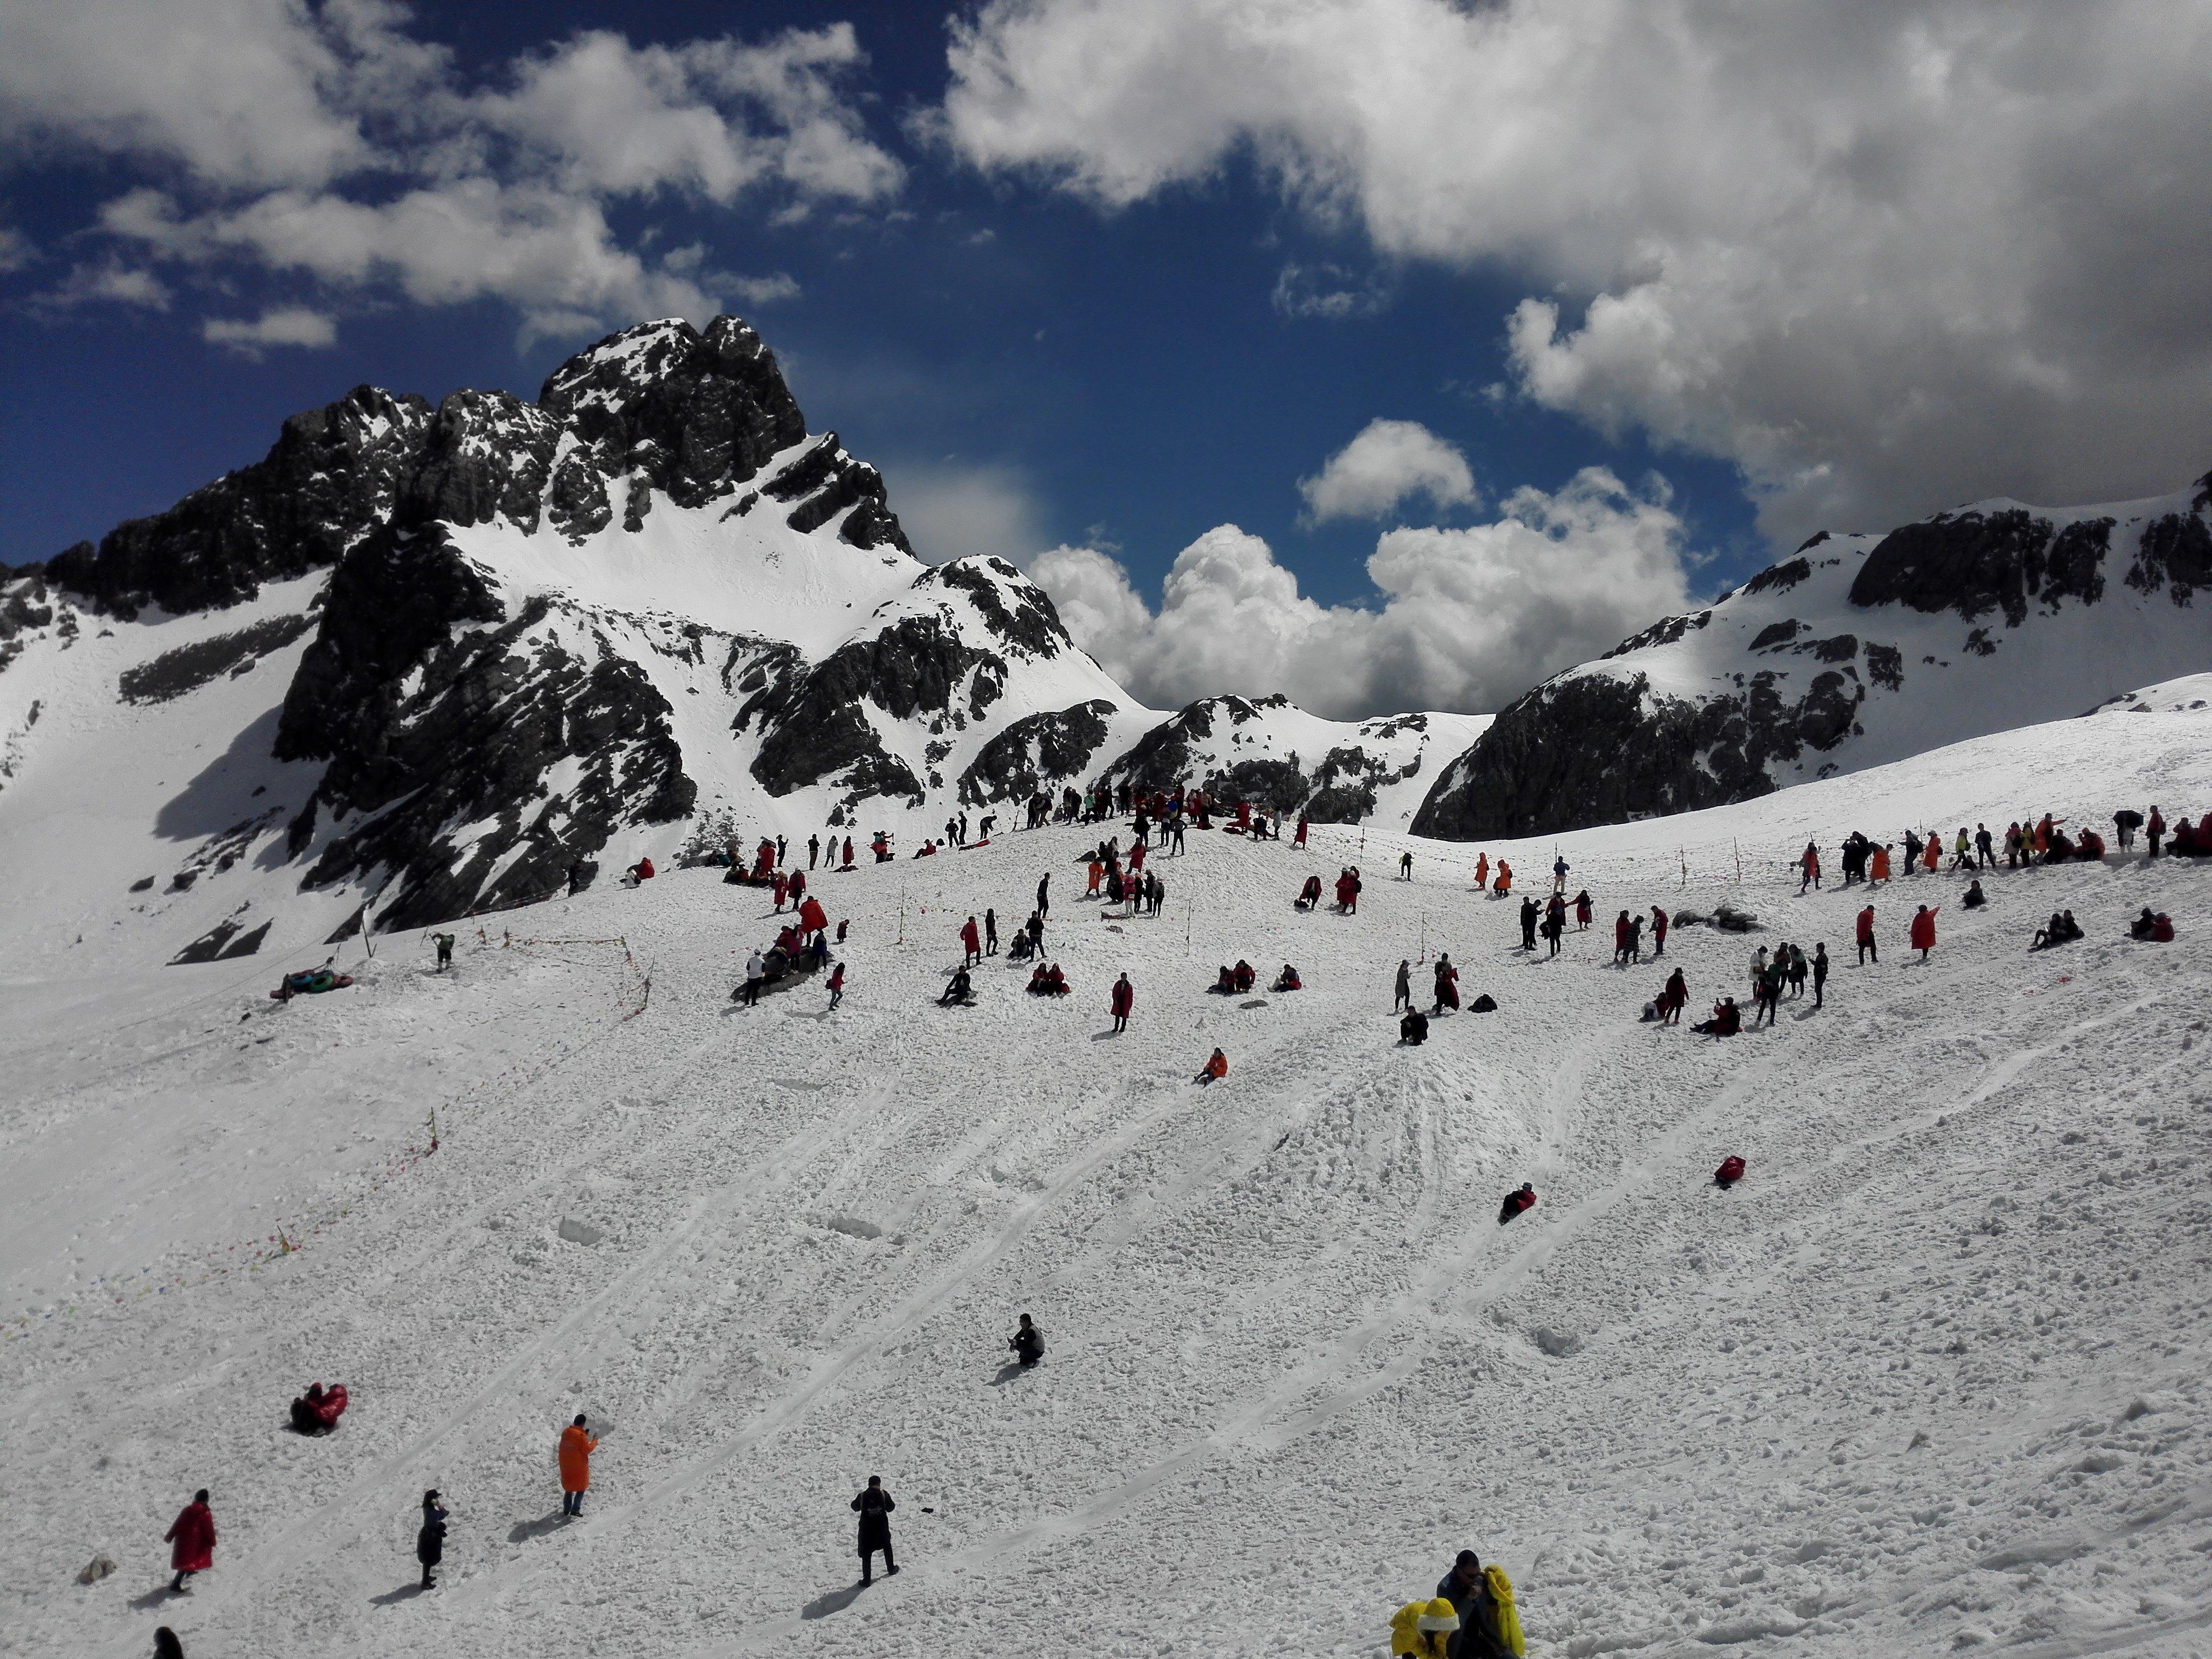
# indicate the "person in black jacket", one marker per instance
pixel 874 1507
pixel 1028 1343
pixel 1464 1588
pixel 430 1542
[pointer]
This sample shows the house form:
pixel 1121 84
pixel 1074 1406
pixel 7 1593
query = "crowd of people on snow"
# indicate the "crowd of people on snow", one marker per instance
pixel 1472 1611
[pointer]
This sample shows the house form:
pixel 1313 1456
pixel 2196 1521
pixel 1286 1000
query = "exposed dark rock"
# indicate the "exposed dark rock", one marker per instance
pixel 189 667
pixel 698 413
pixel 2175 553
pixel 1778 634
pixel 1043 751
pixel 484 456
pixel 333 473
pixel 816 730
pixel 1600 749
pixel 1661 632
pixel 1015 609
pixel 1784 576
pixel 1886 667
pixel 434 718
pixel 1975 563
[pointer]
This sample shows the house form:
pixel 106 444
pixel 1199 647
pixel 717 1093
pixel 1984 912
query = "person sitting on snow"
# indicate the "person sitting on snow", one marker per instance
pixel 1413 1028
pixel 1246 976
pixel 1730 1173
pixel 640 873
pixel 1727 1020
pixel 1515 1202
pixel 1288 980
pixel 1040 983
pixel 1976 898
pixel 957 991
pixel 318 1411
pixel 1215 1069
pixel 1224 982
pixel 1055 983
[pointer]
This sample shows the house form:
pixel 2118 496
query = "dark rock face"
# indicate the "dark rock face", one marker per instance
pixel 694 415
pixel 1661 632
pixel 2176 554
pixel 1043 752
pixel 436 713
pixel 334 472
pixel 1339 790
pixel 698 413
pixel 1975 563
pixel 1599 748
pixel 189 667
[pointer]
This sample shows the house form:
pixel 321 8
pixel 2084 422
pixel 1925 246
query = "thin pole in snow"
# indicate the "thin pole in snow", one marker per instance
pixel 1683 853
pixel 1425 937
pixel 1739 860
pixel 902 938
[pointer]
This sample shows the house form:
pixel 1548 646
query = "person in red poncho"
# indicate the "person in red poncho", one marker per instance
pixel 1659 920
pixel 191 1538
pixel 1866 937
pixel 1123 1000
pixel 577 1445
pixel 318 1411
pixel 1922 936
pixel 1516 1203
pixel 812 918
pixel 971 942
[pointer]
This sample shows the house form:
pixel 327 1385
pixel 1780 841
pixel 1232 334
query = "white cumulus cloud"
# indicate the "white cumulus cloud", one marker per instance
pixel 330 142
pixel 280 326
pixel 1882 258
pixel 1466 618
pixel 1386 464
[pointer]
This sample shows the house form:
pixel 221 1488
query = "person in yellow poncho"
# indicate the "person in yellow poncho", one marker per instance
pixel 1423 1628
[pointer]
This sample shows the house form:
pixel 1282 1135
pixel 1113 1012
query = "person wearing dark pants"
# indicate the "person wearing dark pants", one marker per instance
pixel 430 1542
pixel 874 1507
pixel 1819 974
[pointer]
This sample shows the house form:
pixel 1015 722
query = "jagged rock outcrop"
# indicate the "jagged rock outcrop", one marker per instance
pixel 442 717
pixel 1856 650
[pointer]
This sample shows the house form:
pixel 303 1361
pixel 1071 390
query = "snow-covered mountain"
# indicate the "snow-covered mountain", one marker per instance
pixel 444 652
pixel 1857 651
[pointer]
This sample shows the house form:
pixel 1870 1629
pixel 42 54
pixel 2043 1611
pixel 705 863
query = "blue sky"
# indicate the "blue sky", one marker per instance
pixel 1116 274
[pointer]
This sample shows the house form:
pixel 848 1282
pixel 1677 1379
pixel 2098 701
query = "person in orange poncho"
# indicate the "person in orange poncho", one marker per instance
pixel 576 1449
pixel 1215 1069
pixel 1505 882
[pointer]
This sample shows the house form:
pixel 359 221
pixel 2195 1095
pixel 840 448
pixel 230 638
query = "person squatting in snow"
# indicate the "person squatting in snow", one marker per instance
pixel 1028 1343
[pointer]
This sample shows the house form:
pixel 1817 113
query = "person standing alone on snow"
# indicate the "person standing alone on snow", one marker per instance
pixel 874 1507
pixel 1404 998
pixel 971 943
pixel 1123 999
pixel 1922 936
pixel 1819 974
pixel 191 1537
pixel 576 1449
pixel 1866 937
pixel 430 1542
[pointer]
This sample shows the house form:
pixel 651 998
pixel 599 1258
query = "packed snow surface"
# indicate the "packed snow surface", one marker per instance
pixel 1931 1378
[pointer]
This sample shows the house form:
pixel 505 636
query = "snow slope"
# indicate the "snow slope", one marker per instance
pixel 1931 1378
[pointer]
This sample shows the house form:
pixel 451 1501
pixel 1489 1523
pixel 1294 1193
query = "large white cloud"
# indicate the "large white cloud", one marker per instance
pixel 330 142
pixel 1387 463
pixel 1881 257
pixel 1467 618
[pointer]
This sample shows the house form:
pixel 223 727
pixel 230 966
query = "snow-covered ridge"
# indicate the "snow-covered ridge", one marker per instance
pixel 1855 651
pixel 645 611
